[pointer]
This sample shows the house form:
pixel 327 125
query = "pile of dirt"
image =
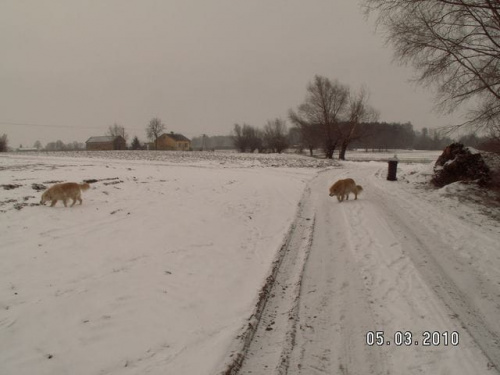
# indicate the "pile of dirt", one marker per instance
pixel 10 186
pixel 38 187
pixel 459 163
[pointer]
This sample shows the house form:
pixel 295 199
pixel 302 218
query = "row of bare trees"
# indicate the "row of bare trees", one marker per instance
pixel 273 138
pixel 61 146
pixel 330 115
pixel 333 117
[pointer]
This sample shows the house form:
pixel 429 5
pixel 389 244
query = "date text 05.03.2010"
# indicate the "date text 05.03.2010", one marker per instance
pixel 407 338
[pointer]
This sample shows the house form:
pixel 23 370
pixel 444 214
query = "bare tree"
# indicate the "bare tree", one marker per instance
pixel 275 135
pixel 310 134
pixel 238 139
pixel 117 130
pixel 37 145
pixel 454 45
pixel 324 105
pixel 247 138
pixel 358 111
pixel 154 130
pixel 4 142
pixel 255 138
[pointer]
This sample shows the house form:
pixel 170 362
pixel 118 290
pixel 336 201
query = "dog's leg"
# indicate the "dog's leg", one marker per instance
pixel 74 201
pixel 80 199
pixel 65 202
pixel 53 203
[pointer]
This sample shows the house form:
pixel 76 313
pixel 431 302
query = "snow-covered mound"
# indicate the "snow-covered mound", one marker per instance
pixel 459 163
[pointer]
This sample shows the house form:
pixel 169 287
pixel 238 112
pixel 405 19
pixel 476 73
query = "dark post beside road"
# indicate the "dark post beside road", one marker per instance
pixel 393 167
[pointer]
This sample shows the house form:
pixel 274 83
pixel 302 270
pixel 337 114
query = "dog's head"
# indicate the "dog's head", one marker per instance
pixel 333 191
pixel 45 197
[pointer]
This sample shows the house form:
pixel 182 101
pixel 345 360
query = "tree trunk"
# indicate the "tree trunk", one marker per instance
pixel 330 150
pixel 343 149
pixel 330 146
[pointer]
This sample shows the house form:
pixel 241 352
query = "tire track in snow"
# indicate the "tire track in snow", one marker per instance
pixel 334 309
pixel 407 277
pixel 467 301
pixel 264 346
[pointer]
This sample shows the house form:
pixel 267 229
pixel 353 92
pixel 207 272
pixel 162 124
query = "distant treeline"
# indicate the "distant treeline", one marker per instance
pixel 216 142
pixel 54 146
pixel 370 136
pixel 373 136
pixel 382 136
pixel 61 146
pixel 378 136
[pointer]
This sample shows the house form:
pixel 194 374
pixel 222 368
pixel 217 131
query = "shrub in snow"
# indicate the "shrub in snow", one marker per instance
pixel 458 163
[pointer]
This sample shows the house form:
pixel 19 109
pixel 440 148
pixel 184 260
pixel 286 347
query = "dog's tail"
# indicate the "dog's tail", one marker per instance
pixel 84 186
pixel 359 188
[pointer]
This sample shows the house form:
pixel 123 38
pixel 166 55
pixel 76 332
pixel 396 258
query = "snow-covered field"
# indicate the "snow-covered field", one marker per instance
pixel 154 273
pixel 161 268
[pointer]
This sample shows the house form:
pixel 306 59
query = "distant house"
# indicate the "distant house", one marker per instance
pixel 172 141
pixel 106 143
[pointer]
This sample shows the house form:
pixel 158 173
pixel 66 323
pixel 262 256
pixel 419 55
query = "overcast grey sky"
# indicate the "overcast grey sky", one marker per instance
pixel 199 65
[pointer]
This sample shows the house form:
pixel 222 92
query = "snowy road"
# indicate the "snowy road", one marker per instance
pixel 394 261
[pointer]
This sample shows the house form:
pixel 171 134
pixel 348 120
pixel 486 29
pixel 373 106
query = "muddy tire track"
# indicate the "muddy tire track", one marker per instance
pixel 266 342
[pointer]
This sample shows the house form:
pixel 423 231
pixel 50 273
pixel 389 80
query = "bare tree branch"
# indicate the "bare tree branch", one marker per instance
pixel 454 45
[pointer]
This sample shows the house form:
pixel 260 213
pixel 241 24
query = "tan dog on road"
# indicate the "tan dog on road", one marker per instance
pixel 63 192
pixel 342 188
